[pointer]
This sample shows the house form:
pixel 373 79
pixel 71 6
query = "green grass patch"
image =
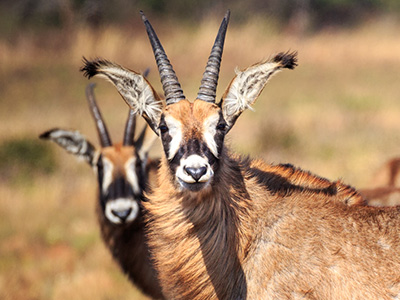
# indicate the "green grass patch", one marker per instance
pixel 21 159
pixel 277 136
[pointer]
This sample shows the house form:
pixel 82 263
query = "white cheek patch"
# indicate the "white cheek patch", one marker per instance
pixel 131 176
pixel 210 129
pixel 193 161
pixel 175 131
pixel 108 168
pixel 121 205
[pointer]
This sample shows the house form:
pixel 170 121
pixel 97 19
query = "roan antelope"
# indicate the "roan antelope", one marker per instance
pixel 386 190
pixel 226 227
pixel 123 172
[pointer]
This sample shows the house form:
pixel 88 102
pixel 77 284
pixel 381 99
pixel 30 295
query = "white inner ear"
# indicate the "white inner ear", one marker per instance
pixel 246 87
pixel 135 90
pixel 210 129
pixel 148 104
pixel 175 131
pixel 72 141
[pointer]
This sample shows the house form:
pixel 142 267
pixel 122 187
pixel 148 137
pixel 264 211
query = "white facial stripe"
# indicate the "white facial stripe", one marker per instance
pixel 121 205
pixel 131 176
pixel 210 128
pixel 108 168
pixel 175 131
pixel 193 161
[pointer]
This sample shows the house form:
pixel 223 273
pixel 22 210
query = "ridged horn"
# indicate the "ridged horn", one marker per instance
pixel 208 87
pixel 130 126
pixel 172 89
pixel 104 137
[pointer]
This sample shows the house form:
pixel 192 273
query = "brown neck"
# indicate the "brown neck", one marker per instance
pixel 196 237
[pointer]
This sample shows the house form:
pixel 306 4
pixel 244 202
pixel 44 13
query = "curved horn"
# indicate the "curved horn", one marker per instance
pixel 100 125
pixel 208 87
pixel 130 129
pixel 172 89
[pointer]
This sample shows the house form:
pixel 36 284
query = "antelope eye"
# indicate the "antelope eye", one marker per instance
pixel 221 126
pixel 163 128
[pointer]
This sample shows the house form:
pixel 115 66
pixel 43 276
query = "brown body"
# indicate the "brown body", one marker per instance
pixel 303 179
pixel 223 227
pixel 388 175
pixel 256 235
pixel 386 191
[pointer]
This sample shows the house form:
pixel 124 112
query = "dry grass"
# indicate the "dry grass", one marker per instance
pixel 337 115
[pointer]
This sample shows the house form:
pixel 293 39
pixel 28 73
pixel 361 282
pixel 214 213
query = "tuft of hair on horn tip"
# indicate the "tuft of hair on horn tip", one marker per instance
pixel 287 59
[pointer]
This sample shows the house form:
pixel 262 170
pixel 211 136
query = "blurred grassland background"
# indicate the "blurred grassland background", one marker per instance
pixel 337 114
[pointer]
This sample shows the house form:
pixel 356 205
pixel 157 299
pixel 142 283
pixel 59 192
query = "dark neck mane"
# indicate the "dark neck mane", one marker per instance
pixel 196 237
pixel 128 246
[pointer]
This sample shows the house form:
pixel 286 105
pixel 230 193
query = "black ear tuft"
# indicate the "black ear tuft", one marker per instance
pixel 91 68
pixel 46 135
pixel 288 59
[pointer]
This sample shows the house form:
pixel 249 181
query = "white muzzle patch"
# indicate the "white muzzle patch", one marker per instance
pixel 194 161
pixel 121 210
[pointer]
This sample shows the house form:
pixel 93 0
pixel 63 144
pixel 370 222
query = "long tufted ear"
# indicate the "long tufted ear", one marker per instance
pixel 247 85
pixel 133 87
pixel 72 141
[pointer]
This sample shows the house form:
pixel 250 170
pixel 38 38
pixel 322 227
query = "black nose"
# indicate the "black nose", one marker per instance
pixel 196 173
pixel 122 214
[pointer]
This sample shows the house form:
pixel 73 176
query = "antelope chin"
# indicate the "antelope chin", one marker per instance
pixel 193 186
pixel 119 205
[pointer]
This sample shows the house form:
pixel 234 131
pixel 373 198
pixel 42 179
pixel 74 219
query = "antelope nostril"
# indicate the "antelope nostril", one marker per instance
pixel 122 214
pixel 196 173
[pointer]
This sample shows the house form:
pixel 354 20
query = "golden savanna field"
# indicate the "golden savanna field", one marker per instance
pixel 337 114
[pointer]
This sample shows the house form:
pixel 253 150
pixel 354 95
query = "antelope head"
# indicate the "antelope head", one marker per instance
pixel 120 168
pixel 192 133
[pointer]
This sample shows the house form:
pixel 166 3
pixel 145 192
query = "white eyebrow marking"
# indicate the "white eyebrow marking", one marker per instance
pixel 210 128
pixel 108 168
pixel 131 176
pixel 175 131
